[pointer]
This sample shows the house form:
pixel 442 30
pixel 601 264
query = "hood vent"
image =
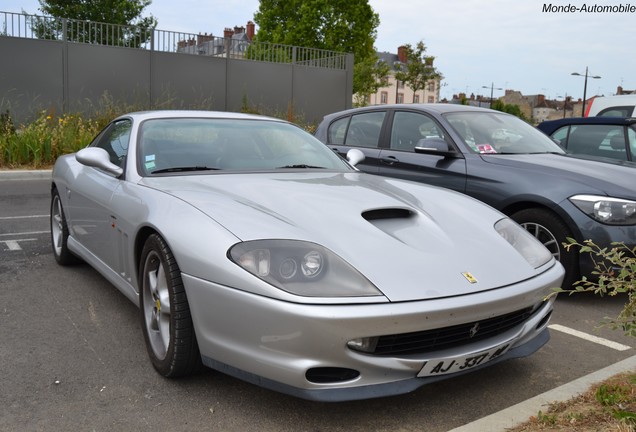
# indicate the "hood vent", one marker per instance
pixel 387 213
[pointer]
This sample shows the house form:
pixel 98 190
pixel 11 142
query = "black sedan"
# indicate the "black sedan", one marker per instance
pixel 604 138
pixel 500 160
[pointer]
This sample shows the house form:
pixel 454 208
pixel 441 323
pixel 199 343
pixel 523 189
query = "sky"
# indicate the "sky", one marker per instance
pixel 478 45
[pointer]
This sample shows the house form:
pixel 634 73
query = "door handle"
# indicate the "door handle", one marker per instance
pixel 389 160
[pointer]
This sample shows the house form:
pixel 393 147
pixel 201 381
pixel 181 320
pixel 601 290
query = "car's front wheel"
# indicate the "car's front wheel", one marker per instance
pixel 165 312
pixel 59 232
pixel 550 230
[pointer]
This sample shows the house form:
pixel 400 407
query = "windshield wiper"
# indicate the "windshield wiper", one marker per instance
pixel 181 169
pixel 300 166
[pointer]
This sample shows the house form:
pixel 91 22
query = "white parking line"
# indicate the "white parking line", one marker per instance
pixel 589 337
pixel 24 233
pixel 14 245
pixel 23 217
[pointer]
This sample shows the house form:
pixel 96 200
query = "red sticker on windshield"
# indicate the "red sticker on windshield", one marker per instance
pixel 486 148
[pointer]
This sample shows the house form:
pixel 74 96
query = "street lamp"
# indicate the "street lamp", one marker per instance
pixel 585 87
pixel 492 88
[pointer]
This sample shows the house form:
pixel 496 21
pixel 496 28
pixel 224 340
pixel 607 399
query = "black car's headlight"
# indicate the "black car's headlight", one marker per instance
pixel 525 243
pixel 301 268
pixel 607 210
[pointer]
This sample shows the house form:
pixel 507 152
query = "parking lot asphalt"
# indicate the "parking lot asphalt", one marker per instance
pixel 496 421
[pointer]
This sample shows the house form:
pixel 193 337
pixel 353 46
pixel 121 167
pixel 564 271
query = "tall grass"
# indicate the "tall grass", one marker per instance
pixel 38 144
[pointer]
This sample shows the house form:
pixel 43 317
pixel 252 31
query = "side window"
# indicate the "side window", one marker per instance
pixel 614 146
pixel 598 140
pixel 338 130
pixel 409 127
pixel 364 129
pixel 631 138
pixel 115 140
pixel 560 135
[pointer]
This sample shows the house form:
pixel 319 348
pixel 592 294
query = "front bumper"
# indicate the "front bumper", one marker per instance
pixel 274 343
pixel 602 235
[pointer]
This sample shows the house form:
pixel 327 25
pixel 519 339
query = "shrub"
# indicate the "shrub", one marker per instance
pixel 614 273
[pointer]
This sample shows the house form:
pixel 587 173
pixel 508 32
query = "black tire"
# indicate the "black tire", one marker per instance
pixel 165 312
pixel 550 230
pixel 59 232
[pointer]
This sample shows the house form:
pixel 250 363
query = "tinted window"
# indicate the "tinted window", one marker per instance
pixel 338 130
pixel 409 128
pixel 598 140
pixel 631 137
pixel 364 129
pixel 560 135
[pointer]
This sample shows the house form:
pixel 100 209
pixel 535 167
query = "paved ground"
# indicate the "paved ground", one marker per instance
pixel 73 358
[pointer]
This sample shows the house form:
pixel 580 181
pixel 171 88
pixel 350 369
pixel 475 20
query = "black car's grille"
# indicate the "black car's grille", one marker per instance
pixel 449 337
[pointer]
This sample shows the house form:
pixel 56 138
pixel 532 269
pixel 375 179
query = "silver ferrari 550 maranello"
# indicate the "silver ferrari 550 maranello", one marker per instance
pixel 252 248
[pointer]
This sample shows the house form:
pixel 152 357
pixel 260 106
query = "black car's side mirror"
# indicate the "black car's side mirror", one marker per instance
pixel 436 146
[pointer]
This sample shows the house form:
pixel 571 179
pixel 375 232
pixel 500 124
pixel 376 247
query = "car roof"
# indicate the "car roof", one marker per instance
pixel 164 114
pixel 438 108
pixel 550 125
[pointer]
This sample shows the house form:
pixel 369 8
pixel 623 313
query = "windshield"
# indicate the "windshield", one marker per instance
pixel 209 144
pixel 494 133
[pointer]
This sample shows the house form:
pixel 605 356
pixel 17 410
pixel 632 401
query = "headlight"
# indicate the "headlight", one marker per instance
pixel 525 243
pixel 607 210
pixel 301 268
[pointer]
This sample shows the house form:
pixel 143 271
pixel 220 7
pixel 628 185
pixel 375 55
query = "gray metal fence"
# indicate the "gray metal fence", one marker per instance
pixel 71 65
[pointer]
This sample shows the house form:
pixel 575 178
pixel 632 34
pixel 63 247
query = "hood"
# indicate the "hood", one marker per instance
pixel 617 180
pixel 411 240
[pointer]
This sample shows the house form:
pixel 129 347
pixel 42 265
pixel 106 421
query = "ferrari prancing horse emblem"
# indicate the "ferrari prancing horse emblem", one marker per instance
pixel 469 277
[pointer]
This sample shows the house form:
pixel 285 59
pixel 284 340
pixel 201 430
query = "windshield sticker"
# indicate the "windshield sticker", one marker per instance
pixel 150 158
pixel 485 148
pixel 150 165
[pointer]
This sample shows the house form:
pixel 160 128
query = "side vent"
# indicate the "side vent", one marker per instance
pixel 387 213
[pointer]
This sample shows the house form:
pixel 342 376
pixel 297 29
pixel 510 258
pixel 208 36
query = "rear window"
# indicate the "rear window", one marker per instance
pixel 622 111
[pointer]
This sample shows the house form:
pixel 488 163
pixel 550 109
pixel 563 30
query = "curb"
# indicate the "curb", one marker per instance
pixel 520 413
pixel 25 175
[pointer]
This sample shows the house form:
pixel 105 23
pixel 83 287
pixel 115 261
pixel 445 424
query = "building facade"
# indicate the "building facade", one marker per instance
pixel 397 91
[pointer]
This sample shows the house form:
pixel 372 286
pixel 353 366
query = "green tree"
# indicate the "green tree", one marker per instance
pixel 336 25
pixel 369 76
pixel 419 69
pixel 515 110
pixel 135 30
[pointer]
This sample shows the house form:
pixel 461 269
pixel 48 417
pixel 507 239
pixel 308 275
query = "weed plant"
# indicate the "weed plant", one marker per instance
pixel 39 143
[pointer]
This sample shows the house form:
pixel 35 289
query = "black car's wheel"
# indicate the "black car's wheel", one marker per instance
pixel 165 312
pixel 552 232
pixel 59 232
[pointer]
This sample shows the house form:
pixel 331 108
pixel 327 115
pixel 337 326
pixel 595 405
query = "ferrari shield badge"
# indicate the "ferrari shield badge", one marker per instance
pixel 469 277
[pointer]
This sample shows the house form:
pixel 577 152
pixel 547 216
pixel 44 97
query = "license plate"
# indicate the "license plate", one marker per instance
pixel 450 365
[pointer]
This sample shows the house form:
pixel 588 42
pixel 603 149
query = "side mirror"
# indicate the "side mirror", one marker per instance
pixel 434 145
pixel 355 156
pixel 98 158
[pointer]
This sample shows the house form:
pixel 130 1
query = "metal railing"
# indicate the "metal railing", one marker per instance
pixel 236 47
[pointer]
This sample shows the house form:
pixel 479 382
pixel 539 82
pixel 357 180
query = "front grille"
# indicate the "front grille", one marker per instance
pixel 449 337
